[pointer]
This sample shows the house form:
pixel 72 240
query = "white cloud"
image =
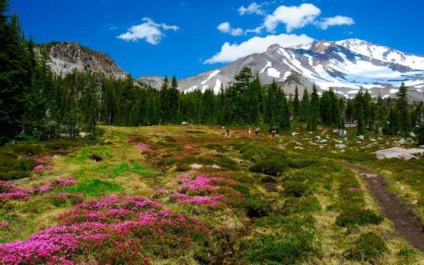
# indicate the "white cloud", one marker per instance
pixel 226 28
pixel 231 52
pixel 150 31
pixel 253 8
pixel 335 21
pixel 292 16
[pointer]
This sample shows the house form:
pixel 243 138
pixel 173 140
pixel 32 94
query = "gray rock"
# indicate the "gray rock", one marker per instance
pixel 340 146
pixel 402 141
pixel 400 153
pixel 360 138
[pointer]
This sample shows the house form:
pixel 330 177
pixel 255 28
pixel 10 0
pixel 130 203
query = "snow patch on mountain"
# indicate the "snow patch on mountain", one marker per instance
pixel 272 72
pixel 213 74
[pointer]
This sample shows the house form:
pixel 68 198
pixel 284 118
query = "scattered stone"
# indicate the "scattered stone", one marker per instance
pixel 340 146
pixel 294 133
pixel 338 141
pixel 318 137
pixel 402 141
pixel 368 175
pixel 360 138
pixel 216 166
pixel 373 140
pixel 299 147
pixel 400 153
pixel 196 166
pixel 84 134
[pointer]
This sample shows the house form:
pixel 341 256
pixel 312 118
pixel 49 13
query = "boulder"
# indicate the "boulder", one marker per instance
pixel 360 138
pixel 400 153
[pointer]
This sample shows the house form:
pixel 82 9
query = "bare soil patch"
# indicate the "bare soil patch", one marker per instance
pixel 404 221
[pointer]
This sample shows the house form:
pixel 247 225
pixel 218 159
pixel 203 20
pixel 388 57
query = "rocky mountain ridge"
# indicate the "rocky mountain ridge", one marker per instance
pixel 64 57
pixel 346 66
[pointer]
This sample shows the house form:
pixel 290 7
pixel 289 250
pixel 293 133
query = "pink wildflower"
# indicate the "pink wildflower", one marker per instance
pixel 39 168
pixel 144 148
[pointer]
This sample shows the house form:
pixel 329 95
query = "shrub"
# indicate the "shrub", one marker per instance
pixel 301 205
pixel 300 163
pixel 290 241
pixel 242 189
pixel 268 179
pixel 352 217
pixel 297 189
pixel 367 247
pixel 256 208
pixel 274 165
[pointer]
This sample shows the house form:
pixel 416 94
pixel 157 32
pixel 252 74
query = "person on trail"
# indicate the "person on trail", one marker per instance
pixel 250 131
pixel 257 131
pixel 273 132
pixel 228 131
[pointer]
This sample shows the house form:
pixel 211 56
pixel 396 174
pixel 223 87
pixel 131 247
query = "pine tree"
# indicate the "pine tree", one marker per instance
pixel 304 106
pixel 403 110
pixel 13 75
pixel 313 117
pixel 296 104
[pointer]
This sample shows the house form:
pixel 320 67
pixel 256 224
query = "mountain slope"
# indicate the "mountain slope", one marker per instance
pixel 345 66
pixel 64 57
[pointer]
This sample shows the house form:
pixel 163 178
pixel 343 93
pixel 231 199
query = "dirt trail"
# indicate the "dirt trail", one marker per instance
pixel 405 223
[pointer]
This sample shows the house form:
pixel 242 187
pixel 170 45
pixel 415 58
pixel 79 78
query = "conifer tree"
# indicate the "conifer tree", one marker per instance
pixel 403 110
pixel 313 117
pixel 13 74
pixel 304 106
pixel 296 104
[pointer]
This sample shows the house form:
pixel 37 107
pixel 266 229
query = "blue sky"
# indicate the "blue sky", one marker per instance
pixel 187 37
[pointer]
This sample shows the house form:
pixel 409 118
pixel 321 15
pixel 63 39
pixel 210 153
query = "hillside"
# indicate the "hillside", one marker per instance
pixel 64 57
pixel 191 195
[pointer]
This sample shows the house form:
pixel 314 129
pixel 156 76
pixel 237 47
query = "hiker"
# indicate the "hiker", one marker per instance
pixel 344 134
pixel 273 132
pixel 228 131
pixel 257 131
pixel 250 131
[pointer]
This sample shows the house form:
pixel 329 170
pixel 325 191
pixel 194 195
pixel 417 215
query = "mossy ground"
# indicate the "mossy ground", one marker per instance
pixel 288 199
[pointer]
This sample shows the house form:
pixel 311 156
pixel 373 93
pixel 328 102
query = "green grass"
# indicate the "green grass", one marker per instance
pixel 282 205
pixel 93 188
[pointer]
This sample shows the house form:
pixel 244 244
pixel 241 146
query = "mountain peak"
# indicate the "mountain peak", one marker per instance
pixel 67 56
pixel 321 46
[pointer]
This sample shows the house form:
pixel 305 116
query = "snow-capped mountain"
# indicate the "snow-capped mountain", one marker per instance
pixel 345 66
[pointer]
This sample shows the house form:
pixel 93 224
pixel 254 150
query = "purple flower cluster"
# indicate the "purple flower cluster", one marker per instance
pixel 144 148
pixel 8 191
pixel 116 225
pixel 200 200
pixel 200 185
pixel 43 163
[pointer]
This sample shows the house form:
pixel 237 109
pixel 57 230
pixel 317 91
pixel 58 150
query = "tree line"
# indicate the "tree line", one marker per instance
pixel 37 103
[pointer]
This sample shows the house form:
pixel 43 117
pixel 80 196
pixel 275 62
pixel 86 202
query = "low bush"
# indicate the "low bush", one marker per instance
pixel 288 241
pixel 368 247
pixel 307 204
pixel 301 163
pixel 274 165
pixel 256 208
pixel 297 189
pixel 352 217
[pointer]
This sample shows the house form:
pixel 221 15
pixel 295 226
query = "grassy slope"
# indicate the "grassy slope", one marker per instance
pixel 302 215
